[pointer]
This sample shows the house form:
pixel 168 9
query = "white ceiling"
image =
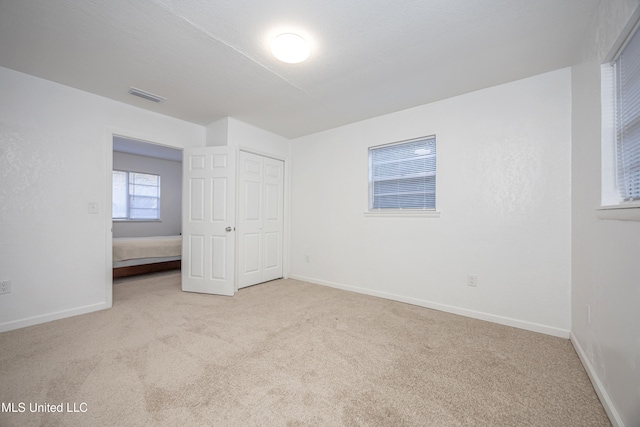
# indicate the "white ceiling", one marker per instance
pixel 211 59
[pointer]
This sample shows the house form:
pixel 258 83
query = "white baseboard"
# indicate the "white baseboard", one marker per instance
pixel 614 417
pixel 529 326
pixel 35 320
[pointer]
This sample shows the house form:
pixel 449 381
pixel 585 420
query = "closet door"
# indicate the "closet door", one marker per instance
pixel 260 212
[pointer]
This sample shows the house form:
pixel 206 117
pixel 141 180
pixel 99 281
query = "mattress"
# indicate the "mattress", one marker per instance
pixel 127 248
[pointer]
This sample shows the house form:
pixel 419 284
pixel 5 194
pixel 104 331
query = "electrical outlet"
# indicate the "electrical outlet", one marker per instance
pixel 472 280
pixel 5 287
pixel 588 314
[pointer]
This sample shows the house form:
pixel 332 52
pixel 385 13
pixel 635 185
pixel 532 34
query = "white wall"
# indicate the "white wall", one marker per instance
pixel 55 157
pixel 170 173
pixel 605 253
pixel 233 132
pixel 503 171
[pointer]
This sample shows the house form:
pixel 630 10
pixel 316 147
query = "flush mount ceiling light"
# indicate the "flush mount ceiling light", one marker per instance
pixel 290 48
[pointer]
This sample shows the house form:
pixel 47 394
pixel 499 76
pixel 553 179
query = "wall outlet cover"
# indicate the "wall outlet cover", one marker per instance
pixel 472 280
pixel 5 286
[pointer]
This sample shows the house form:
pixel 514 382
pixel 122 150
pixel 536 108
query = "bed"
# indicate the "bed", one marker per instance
pixel 138 255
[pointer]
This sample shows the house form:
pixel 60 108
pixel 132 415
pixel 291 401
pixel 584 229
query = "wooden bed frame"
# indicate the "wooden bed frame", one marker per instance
pixel 140 255
pixel 146 268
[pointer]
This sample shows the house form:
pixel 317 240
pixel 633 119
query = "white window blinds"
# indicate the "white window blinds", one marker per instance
pixel 403 175
pixel 136 196
pixel 627 85
pixel 144 196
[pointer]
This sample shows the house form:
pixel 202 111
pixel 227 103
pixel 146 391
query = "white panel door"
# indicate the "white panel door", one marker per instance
pixel 273 219
pixel 260 212
pixel 208 216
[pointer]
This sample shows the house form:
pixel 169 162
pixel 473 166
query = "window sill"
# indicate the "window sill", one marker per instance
pixel 626 212
pixel 403 213
pixel 137 220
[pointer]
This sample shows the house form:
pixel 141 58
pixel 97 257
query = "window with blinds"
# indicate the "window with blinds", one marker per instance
pixel 627 119
pixel 403 175
pixel 136 196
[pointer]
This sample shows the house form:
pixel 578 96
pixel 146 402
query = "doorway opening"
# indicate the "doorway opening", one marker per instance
pixel 268 254
pixel 146 200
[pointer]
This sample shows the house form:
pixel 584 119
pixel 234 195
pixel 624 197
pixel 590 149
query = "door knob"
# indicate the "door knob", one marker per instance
pixel 228 229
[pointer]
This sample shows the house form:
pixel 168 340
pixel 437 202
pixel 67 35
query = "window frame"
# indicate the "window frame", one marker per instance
pixel 612 204
pixel 430 212
pixel 129 195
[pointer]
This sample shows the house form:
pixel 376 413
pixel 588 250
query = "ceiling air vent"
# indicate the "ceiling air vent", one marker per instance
pixel 146 95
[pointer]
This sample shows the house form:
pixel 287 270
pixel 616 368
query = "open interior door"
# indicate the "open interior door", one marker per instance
pixel 208 216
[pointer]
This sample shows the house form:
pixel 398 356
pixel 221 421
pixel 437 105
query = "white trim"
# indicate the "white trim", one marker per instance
pixel 404 141
pixel 609 191
pixel 403 213
pixel 108 277
pixel 44 318
pixel 501 320
pixel 628 212
pixel 261 153
pixel 609 408
pixel 286 239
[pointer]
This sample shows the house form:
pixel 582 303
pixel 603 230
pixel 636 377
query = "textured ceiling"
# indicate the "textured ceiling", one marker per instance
pixel 211 59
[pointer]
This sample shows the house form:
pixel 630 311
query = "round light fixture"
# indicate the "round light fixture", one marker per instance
pixel 290 48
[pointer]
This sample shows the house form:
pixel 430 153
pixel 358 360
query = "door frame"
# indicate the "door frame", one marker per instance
pixel 112 132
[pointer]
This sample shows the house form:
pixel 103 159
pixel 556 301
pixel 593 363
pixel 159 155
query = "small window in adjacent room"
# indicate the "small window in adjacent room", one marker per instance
pixel 136 196
pixel 402 176
pixel 621 131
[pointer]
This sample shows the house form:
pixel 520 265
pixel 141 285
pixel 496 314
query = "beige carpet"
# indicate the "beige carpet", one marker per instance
pixel 286 353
